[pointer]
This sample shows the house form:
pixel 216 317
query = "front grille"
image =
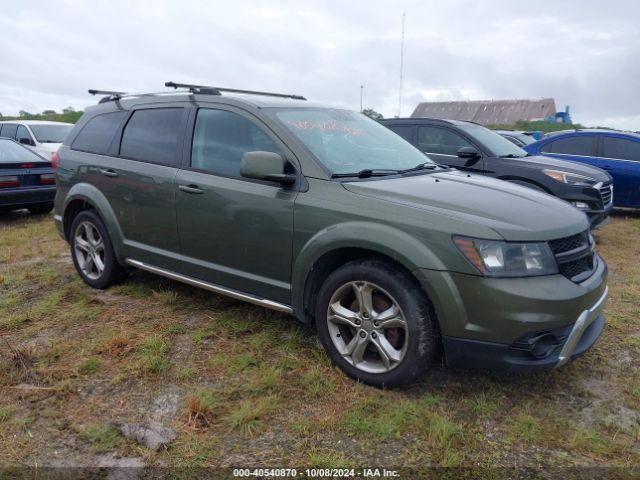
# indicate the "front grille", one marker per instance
pixel 606 192
pixel 575 256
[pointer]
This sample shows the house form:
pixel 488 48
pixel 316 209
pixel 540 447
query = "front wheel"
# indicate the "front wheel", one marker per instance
pixel 92 251
pixel 376 323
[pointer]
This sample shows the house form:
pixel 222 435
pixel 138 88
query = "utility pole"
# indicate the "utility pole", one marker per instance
pixel 361 90
pixel 401 67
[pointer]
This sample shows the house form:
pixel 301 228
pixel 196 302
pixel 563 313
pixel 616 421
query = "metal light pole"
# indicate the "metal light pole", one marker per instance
pixel 361 90
pixel 401 67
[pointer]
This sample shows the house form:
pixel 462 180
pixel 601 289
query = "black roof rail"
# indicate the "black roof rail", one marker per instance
pixel 110 95
pixel 203 89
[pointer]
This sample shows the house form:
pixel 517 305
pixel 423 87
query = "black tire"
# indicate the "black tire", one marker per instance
pixel 40 208
pixel 418 339
pixel 112 271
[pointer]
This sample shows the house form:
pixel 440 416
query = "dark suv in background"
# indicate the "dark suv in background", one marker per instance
pixel 323 213
pixel 473 148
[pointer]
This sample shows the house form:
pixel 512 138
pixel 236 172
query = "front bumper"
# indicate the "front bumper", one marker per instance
pixel 574 341
pixel 23 197
pixel 488 322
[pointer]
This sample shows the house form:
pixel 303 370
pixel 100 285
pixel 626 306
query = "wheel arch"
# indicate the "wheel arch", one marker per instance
pixel 333 247
pixel 84 196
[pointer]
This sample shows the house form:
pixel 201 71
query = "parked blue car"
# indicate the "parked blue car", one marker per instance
pixel 616 152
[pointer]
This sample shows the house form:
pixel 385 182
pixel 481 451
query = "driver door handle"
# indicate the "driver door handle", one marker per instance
pixel 193 189
pixel 108 172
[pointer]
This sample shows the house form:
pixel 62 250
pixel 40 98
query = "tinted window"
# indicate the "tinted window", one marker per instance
pixel 440 141
pixel 580 145
pixel 8 130
pixel 97 134
pixel 152 135
pixel 620 148
pixel 221 138
pixel 405 131
pixel 23 133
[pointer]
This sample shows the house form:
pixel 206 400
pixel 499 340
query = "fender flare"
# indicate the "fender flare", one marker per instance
pixel 382 239
pixel 94 197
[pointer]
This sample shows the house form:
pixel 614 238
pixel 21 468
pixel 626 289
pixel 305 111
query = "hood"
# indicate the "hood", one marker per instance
pixel 514 212
pixel 538 161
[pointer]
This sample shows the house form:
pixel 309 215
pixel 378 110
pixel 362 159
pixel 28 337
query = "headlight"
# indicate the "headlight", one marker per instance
pixel 569 178
pixel 507 259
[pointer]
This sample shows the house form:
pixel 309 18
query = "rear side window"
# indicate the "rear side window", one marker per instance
pixel 405 131
pixel 8 130
pixel 97 134
pixel 152 136
pixel 221 138
pixel 582 145
pixel 620 148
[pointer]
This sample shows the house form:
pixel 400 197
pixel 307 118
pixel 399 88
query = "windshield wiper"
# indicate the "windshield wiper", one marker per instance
pixel 422 166
pixel 512 155
pixel 368 172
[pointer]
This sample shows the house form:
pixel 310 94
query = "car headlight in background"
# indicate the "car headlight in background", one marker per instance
pixel 569 178
pixel 495 258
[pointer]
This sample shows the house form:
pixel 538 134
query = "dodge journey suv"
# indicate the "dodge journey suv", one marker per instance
pixel 325 214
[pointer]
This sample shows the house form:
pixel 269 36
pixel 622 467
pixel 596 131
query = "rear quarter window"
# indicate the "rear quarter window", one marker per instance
pixel 98 133
pixel 152 136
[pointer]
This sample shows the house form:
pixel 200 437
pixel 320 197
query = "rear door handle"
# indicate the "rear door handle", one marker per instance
pixel 193 189
pixel 108 172
pixel 606 167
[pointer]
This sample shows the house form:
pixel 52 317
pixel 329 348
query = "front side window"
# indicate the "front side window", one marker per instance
pixel 23 134
pixel 96 136
pixel 440 141
pixel 580 145
pixel 152 136
pixel 495 144
pixel 221 139
pixel 620 148
pixel 345 141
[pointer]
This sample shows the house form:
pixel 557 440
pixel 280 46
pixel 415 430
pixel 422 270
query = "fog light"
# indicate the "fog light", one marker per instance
pixel 544 346
pixel 581 205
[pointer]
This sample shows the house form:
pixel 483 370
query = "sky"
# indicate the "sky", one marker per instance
pixel 582 53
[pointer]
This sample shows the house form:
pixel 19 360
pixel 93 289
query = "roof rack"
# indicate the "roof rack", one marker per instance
pixel 110 95
pixel 206 90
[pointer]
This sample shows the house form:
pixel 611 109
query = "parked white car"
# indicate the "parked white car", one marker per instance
pixel 40 136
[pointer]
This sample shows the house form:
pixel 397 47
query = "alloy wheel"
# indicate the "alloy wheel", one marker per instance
pixel 89 250
pixel 367 326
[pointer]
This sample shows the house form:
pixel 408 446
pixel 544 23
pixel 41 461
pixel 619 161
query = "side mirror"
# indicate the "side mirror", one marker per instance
pixel 468 152
pixel 265 166
pixel 25 141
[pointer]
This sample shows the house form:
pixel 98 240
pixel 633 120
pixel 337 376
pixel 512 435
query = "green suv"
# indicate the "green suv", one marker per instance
pixel 327 215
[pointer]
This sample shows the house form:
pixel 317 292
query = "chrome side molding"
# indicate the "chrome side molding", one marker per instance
pixel 280 307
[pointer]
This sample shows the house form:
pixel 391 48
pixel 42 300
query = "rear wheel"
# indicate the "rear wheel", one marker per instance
pixel 92 251
pixel 376 323
pixel 40 208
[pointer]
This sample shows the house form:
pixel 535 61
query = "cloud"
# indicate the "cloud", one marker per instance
pixel 53 51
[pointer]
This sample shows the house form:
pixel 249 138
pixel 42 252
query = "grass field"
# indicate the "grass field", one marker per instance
pixel 243 386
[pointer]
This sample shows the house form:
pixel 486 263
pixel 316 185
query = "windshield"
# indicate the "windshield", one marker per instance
pixel 10 151
pixel 51 133
pixel 347 142
pixel 496 144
